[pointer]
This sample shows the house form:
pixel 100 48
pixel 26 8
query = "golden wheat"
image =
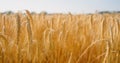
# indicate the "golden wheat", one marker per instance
pixel 59 38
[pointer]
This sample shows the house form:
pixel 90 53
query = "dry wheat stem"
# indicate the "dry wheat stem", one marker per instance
pixel 18 35
pixel 93 43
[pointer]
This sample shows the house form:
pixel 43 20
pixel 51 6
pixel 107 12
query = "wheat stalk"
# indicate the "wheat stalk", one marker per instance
pixel 93 43
pixel 18 35
pixel 4 46
pixel 30 35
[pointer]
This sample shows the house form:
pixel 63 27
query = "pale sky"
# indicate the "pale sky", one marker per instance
pixel 60 6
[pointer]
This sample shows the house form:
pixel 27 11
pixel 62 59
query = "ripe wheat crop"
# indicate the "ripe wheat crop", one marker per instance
pixel 59 38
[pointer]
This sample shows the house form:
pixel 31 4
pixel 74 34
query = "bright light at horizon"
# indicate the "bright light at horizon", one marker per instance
pixel 60 6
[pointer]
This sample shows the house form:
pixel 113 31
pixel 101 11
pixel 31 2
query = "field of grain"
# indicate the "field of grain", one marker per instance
pixel 59 38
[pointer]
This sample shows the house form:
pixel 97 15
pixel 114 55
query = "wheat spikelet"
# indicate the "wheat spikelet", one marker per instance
pixel 29 18
pixel 3 19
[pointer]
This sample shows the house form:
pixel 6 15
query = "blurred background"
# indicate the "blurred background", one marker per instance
pixel 60 6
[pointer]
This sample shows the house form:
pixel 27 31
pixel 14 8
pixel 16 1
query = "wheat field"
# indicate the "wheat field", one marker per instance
pixel 59 38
